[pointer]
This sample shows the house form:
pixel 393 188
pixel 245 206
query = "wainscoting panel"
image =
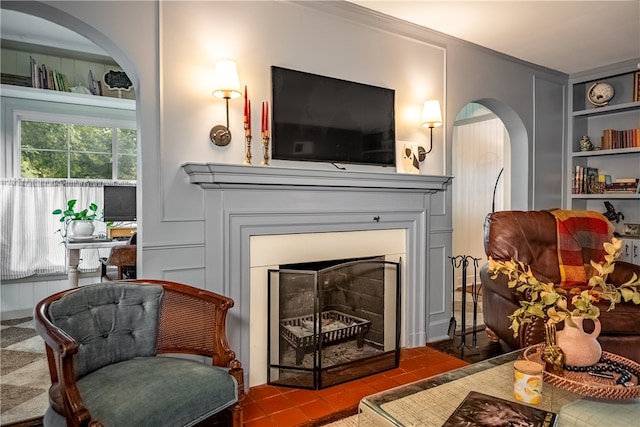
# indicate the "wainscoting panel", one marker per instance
pixel 19 297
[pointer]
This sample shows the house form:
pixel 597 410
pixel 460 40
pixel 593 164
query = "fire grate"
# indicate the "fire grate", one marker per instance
pixel 301 333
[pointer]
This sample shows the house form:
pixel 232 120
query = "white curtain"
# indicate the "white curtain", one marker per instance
pixel 29 243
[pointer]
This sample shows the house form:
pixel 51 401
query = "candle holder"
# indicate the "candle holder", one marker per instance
pixel 265 146
pixel 247 137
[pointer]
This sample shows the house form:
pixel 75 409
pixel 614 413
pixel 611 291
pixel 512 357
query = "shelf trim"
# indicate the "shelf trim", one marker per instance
pixel 607 152
pixel 37 94
pixel 606 196
pixel 608 109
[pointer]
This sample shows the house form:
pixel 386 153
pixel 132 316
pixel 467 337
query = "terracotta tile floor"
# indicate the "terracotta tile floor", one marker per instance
pixel 272 406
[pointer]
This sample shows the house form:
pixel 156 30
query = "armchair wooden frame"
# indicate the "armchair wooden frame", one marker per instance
pixel 192 321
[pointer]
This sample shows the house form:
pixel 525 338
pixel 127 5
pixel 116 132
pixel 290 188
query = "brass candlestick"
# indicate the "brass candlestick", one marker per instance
pixel 265 146
pixel 247 137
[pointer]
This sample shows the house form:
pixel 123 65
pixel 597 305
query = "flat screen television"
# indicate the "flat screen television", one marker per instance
pixel 119 203
pixel 324 119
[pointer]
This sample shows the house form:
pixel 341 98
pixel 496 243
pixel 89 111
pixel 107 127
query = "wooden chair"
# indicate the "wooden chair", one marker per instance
pixel 103 343
pixel 122 257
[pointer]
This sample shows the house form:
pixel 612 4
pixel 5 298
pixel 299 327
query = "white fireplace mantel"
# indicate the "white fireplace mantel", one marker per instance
pixel 243 201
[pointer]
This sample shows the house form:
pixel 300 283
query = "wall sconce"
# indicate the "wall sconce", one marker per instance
pixel 431 118
pixel 225 86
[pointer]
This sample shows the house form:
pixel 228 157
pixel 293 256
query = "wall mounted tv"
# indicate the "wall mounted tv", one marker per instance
pixel 324 119
pixel 119 203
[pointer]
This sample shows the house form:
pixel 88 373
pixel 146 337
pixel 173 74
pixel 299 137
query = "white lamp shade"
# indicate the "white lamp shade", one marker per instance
pixel 431 115
pixel 225 80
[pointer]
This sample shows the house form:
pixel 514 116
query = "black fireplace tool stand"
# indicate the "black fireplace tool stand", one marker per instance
pixel 462 262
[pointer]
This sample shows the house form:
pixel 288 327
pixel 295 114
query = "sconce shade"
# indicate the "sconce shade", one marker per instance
pixel 225 80
pixel 431 115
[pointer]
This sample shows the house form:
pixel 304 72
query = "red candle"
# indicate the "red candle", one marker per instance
pixel 263 120
pixel 266 119
pixel 248 115
pixel 245 105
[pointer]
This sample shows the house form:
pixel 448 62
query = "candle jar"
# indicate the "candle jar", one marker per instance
pixel 527 381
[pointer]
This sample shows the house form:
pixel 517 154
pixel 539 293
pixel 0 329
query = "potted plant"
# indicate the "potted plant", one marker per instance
pixel 77 223
pixel 556 304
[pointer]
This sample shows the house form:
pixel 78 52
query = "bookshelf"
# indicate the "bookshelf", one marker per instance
pixel 612 130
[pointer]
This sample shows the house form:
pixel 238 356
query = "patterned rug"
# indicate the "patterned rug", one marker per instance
pixel 24 379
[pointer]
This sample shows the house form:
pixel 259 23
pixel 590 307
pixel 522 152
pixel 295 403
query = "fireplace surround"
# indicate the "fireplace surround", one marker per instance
pixel 251 212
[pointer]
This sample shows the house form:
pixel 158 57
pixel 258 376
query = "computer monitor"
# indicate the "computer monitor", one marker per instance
pixel 119 203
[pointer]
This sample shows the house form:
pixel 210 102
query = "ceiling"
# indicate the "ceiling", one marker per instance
pixel 568 36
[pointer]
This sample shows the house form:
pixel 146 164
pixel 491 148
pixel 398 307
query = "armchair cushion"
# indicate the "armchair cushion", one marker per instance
pixel 110 323
pixel 173 392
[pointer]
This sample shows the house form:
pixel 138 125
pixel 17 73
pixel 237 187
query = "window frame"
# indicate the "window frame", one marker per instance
pixel 70 120
pixel 16 101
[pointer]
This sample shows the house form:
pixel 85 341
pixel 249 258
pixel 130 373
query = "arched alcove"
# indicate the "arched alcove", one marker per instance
pixel 519 183
pixel 489 162
pixel 74 24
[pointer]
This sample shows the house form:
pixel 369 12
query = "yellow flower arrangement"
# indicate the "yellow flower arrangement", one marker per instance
pixel 556 304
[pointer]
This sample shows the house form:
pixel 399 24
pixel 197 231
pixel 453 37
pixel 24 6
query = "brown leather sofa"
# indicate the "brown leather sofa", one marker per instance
pixel 531 237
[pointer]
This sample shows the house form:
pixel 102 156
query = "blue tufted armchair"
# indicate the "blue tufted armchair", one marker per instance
pixel 131 353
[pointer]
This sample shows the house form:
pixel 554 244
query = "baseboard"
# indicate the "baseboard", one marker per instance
pixel 15 314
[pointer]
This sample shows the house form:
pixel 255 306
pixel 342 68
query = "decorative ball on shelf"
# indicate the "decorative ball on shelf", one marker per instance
pixel 586 144
pixel 600 93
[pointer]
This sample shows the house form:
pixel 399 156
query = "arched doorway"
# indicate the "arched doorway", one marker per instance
pixel 481 167
pixel 490 166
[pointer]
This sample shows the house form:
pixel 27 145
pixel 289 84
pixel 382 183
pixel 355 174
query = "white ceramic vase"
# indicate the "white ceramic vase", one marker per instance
pixel 579 347
pixel 80 228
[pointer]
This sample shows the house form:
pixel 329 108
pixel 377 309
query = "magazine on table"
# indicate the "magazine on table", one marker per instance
pixel 483 410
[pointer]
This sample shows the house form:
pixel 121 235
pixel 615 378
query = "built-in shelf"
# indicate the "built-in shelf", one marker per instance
pixel 37 94
pixel 610 152
pixel 607 196
pixel 622 114
pixel 607 109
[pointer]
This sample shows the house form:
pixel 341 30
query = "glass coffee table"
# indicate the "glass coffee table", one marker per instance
pixel 431 401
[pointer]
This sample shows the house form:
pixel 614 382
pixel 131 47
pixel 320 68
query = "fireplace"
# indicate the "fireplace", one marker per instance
pixel 332 322
pixel 260 218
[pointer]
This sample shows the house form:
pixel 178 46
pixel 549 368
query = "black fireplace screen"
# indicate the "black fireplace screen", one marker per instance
pixel 333 324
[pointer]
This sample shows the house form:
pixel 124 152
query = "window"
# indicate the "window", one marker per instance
pixel 57 149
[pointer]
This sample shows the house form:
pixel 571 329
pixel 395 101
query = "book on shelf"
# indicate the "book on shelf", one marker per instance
pixel 623 185
pixel 583 178
pixel 43 77
pixel 614 139
pixel 483 410
pixel 15 80
pixel 95 86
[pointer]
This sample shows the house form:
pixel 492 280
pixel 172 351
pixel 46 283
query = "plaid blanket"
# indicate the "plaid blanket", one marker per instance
pixel 581 235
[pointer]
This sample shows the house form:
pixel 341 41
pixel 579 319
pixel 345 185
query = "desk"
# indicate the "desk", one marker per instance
pixel 73 255
pixel 429 402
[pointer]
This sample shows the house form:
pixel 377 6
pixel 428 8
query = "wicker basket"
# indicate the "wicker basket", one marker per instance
pixel 587 385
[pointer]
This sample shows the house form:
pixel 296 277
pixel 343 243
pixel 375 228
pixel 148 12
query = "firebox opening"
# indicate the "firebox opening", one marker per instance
pixel 332 321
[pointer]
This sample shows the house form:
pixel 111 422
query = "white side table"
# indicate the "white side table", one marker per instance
pixel 73 254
